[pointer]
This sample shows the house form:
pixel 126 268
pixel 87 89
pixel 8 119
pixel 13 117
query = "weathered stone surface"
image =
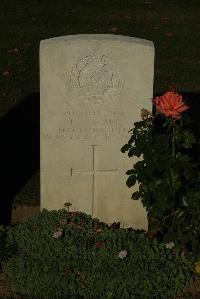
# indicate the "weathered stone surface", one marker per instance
pixel 92 88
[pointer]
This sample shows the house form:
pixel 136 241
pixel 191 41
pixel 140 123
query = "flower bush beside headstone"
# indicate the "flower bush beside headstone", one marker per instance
pixel 168 175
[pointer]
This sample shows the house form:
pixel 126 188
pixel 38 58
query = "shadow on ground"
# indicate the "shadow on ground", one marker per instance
pixel 19 151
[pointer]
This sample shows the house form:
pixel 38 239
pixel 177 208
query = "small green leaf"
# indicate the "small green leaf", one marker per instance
pixel 190 174
pixel 125 148
pixel 67 204
pixel 134 152
pixel 130 171
pixel 131 181
pixel 136 195
pixel 187 145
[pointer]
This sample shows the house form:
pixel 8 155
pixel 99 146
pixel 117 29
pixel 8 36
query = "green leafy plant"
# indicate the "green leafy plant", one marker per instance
pixel 71 255
pixel 67 205
pixel 168 175
pixel 5 251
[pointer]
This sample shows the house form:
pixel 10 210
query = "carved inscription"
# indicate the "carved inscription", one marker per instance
pixel 95 126
pixel 95 78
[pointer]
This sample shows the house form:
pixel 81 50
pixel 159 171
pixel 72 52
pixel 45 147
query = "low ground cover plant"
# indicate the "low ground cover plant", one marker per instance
pixel 61 254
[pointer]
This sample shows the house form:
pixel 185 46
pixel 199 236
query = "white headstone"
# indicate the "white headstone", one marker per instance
pixel 92 88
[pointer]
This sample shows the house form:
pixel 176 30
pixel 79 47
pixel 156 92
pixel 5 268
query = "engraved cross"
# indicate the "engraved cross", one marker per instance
pixel 94 173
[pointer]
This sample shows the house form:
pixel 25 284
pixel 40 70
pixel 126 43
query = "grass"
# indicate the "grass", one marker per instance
pixel 173 26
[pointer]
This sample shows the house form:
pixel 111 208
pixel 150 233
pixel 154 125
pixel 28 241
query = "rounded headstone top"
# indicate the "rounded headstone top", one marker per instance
pixel 106 37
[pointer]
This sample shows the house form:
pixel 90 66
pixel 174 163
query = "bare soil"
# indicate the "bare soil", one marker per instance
pixel 22 212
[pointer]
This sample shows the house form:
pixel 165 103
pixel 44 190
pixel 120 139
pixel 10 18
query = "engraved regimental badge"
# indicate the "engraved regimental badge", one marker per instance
pixel 96 79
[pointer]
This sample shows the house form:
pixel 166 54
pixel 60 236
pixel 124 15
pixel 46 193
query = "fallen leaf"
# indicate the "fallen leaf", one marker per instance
pixel 13 50
pixel 113 29
pixel 73 224
pixel 150 236
pixel 22 70
pixel 128 17
pixel 6 73
pixel 99 245
pixel 59 229
pixel 115 225
pixel 63 221
pixel 169 34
